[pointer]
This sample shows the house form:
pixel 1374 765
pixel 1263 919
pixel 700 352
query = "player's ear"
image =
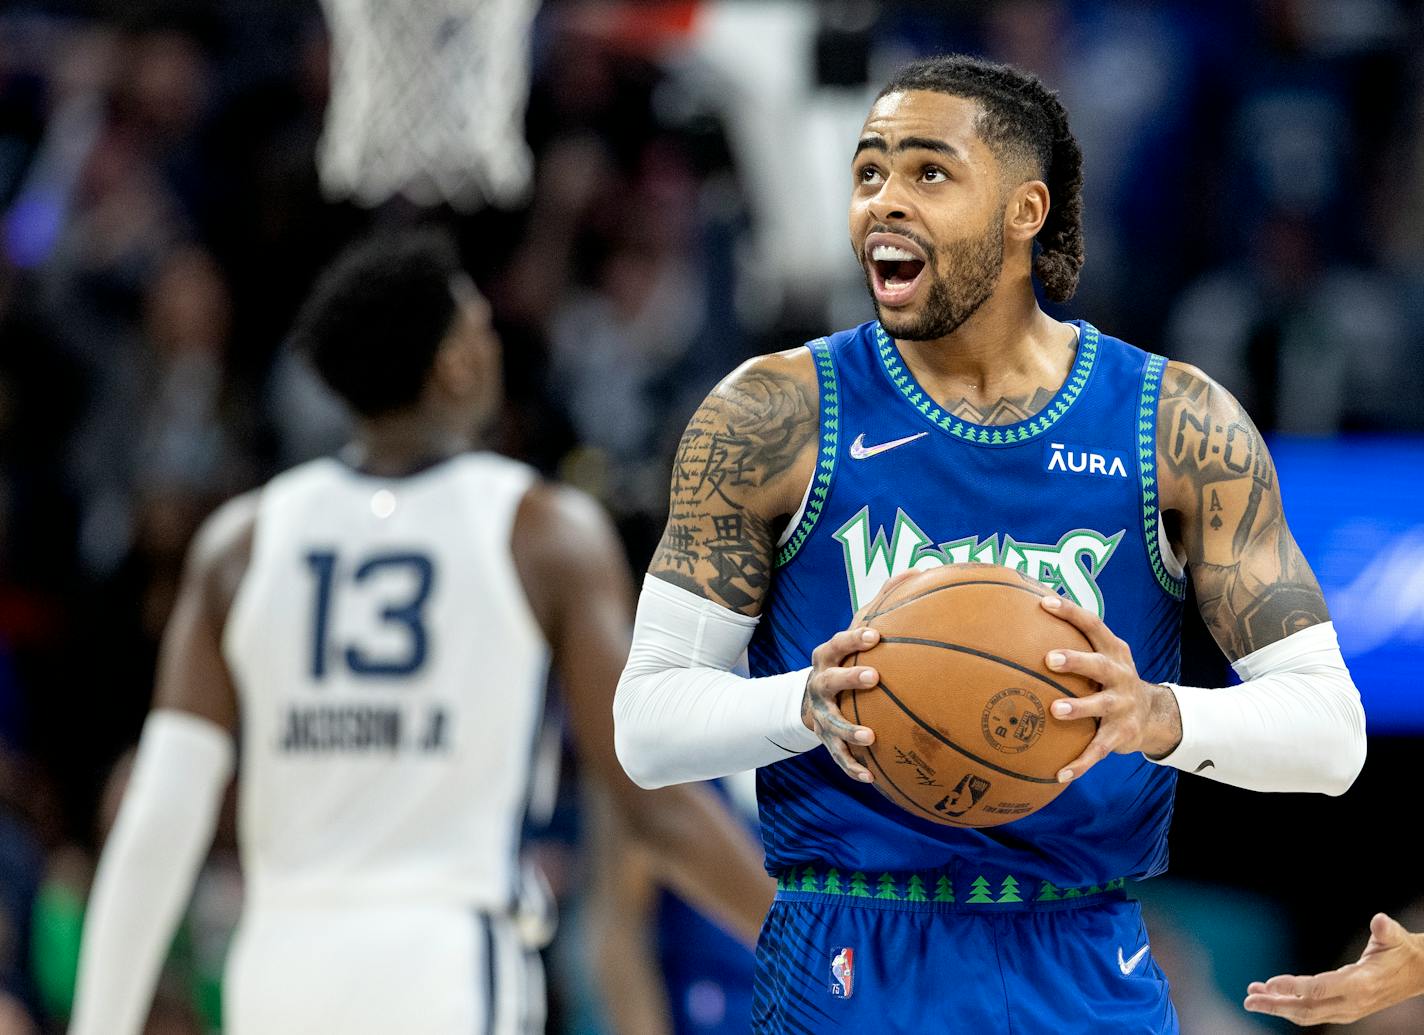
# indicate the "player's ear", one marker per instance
pixel 468 357
pixel 458 368
pixel 1026 210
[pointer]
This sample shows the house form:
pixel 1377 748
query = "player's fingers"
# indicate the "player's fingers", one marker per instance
pixel 1294 985
pixel 832 681
pixel 1386 930
pixel 1089 624
pixel 843 644
pixel 1333 984
pixel 1094 753
pixel 1295 1010
pixel 1308 1011
pixel 831 720
pixel 1101 705
pixel 843 758
pixel 1097 667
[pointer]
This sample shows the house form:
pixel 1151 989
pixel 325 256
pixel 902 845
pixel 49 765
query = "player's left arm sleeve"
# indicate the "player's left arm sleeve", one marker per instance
pixel 1294 724
pixel 148 867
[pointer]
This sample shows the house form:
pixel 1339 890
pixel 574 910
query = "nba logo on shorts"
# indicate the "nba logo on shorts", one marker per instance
pixel 843 972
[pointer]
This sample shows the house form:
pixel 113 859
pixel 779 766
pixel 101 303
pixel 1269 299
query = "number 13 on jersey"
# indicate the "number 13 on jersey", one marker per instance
pixel 401 583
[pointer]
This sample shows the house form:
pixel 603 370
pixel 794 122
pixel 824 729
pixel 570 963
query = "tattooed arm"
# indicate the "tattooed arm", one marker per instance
pixel 740 474
pixel 744 461
pixel 1295 723
pixel 1218 487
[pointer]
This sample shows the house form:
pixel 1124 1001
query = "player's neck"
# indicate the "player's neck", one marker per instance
pixel 1009 349
pixel 400 444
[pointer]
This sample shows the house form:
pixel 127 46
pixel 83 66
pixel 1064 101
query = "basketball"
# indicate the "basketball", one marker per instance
pixel 963 731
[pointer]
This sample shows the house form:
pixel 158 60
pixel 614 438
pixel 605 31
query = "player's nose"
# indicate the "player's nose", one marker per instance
pixel 892 202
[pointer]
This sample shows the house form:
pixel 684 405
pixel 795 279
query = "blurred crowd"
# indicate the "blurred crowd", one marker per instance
pixel 1255 205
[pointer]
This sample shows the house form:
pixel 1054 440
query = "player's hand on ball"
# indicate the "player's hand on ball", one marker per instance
pixel 1132 715
pixel 830 677
pixel 1390 971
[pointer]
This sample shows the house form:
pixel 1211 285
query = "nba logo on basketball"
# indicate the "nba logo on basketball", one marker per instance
pixel 843 971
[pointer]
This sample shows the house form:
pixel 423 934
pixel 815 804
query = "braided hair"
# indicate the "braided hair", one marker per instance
pixel 1022 119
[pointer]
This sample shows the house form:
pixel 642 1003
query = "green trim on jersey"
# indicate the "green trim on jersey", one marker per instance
pixel 826 460
pixel 931 888
pixel 1005 435
pixel 1175 586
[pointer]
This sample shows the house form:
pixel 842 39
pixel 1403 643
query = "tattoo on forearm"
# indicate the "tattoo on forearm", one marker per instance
pixel 1252 583
pixel 745 434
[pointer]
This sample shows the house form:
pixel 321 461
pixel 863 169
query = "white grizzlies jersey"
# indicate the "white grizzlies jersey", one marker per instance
pixel 390 676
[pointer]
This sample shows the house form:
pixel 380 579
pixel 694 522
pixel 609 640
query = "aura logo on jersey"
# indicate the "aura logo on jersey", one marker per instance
pixel 1105 463
pixel 1070 566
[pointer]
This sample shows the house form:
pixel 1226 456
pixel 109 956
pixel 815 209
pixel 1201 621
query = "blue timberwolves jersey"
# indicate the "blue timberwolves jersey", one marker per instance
pixel 1068 497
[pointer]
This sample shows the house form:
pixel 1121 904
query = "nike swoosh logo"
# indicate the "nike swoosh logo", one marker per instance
pixel 1208 764
pixel 860 451
pixel 1129 965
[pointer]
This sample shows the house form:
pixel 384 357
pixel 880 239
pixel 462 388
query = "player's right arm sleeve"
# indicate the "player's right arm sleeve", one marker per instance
pixel 146 873
pixel 681 714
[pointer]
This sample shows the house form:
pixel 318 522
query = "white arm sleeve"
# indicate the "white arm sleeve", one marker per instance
pixel 146 873
pixel 680 714
pixel 1294 724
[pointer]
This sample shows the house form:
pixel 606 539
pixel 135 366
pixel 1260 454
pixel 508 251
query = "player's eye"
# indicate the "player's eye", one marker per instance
pixel 867 174
pixel 934 174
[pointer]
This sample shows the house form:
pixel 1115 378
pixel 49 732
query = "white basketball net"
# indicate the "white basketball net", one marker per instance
pixel 427 100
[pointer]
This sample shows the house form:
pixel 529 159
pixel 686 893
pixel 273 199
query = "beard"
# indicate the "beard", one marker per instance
pixel 955 293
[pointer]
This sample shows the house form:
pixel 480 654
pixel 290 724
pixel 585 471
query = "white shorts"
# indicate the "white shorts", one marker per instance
pixel 368 970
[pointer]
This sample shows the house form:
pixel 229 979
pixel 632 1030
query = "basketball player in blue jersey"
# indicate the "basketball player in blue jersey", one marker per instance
pixel 965 424
pixel 382 626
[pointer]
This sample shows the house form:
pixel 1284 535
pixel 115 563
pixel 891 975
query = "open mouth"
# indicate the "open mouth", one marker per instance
pixel 895 272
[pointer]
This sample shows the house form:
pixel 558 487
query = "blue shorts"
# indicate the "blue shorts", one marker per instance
pixel 880 955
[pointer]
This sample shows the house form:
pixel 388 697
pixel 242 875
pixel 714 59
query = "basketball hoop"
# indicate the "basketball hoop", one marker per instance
pixel 427 101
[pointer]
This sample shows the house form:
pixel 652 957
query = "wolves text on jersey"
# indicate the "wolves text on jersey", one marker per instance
pixel 1069 566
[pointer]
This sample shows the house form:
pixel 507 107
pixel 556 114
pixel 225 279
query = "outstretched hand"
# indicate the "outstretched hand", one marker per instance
pixel 1132 715
pixel 1390 971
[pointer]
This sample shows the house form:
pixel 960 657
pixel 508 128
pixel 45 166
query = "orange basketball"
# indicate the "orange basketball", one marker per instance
pixel 963 731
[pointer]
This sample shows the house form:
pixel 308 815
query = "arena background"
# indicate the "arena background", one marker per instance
pixel 1255 204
